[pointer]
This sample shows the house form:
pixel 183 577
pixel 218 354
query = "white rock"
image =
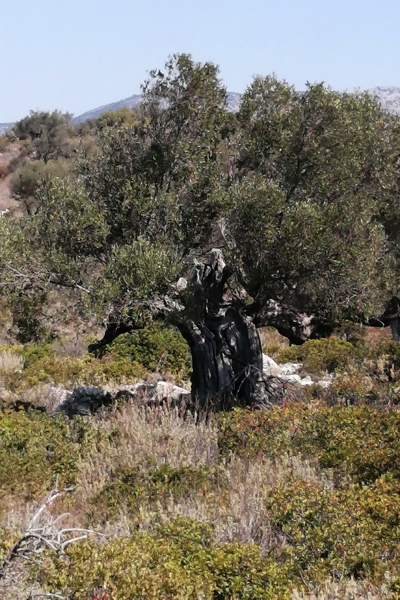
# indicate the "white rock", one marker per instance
pixel 291 378
pixel 290 368
pixel 166 390
pixel 326 381
pixel 270 367
pixel 306 381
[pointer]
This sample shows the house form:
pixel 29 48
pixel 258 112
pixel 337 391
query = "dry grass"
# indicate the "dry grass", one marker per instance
pixel 346 590
pixel 10 362
pixel 271 340
pixel 234 505
pixel 164 435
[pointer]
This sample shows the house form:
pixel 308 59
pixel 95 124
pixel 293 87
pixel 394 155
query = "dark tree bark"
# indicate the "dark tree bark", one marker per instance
pixel 224 342
pixel 391 317
pixel 296 326
pixel 113 330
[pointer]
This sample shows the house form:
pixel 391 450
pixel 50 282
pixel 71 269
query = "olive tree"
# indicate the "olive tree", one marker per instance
pixel 220 223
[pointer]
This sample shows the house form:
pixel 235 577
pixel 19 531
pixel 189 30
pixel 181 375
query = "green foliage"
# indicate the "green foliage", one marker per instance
pixel 48 134
pixel 299 186
pixel 25 181
pixel 300 224
pixel 360 442
pixel 178 561
pixel 388 353
pixel 355 388
pixel 35 352
pixel 42 366
pixel 136 229
pixel 135 488
pixel 123 117
pixel 341 533
pixel 157 348
pixel 68 371
pixel 36 450
pixel 318 356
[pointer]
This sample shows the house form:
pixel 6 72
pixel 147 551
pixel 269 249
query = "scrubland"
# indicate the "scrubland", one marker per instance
pixel 299 501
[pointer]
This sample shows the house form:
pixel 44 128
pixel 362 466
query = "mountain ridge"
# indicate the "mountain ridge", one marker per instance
pixel 389 97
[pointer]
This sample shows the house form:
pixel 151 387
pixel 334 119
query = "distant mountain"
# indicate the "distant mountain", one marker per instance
pixel 5 127
pixel 233 102
pixel 388 96
pixel 130 102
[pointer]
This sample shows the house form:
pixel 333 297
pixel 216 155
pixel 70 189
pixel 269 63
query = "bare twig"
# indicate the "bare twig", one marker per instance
pixel 44 531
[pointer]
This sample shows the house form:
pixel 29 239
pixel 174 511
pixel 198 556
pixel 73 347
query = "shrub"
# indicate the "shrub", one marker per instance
pixel 322 355
pixel 159 349
pixel 361 442
pixel 42 367
pixel 33 353
pixel 4 142
pixel 35 450
pixel 340 533
pixel 356 389
pixel 135 487
pixel 387 353
pixel 179 560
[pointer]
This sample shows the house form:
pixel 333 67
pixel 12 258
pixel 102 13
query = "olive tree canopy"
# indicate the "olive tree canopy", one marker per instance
pixel 217 223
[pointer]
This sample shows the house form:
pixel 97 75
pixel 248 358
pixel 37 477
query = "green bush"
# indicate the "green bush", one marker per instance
pixel 36 450
pixel 352 532
pixel 135 487
pixel 322 355
pixel 42 367
pixel 159 349
pixel 179 560
pixel 360 389
pixel 359 441
pixel 387 353
pixel 35 352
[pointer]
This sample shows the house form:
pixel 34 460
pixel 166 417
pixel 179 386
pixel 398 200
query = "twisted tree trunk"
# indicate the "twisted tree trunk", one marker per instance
pixel 224 342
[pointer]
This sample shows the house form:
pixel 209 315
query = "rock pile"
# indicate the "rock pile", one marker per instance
pixel 87 400
pixel 290 372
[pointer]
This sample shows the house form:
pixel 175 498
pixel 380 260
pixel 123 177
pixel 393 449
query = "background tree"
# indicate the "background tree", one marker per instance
pixel 49 134
pixel 315 172
pixel 217 224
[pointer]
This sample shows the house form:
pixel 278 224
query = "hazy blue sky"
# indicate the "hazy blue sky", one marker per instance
pixel 79 54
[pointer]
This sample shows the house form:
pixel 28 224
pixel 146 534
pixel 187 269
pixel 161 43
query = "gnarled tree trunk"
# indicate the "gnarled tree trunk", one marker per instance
pixel 224 342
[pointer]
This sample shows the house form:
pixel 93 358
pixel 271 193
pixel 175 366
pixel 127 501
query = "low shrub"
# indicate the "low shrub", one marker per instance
pixel 179 560
pixel 158 349
pixel 361 442
pixel 359 389
pixel 85 370
pixel 135 487
pixel 319 356
pixel 36 450
pixel 351 532
pixel 4 142
pixel 386 355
